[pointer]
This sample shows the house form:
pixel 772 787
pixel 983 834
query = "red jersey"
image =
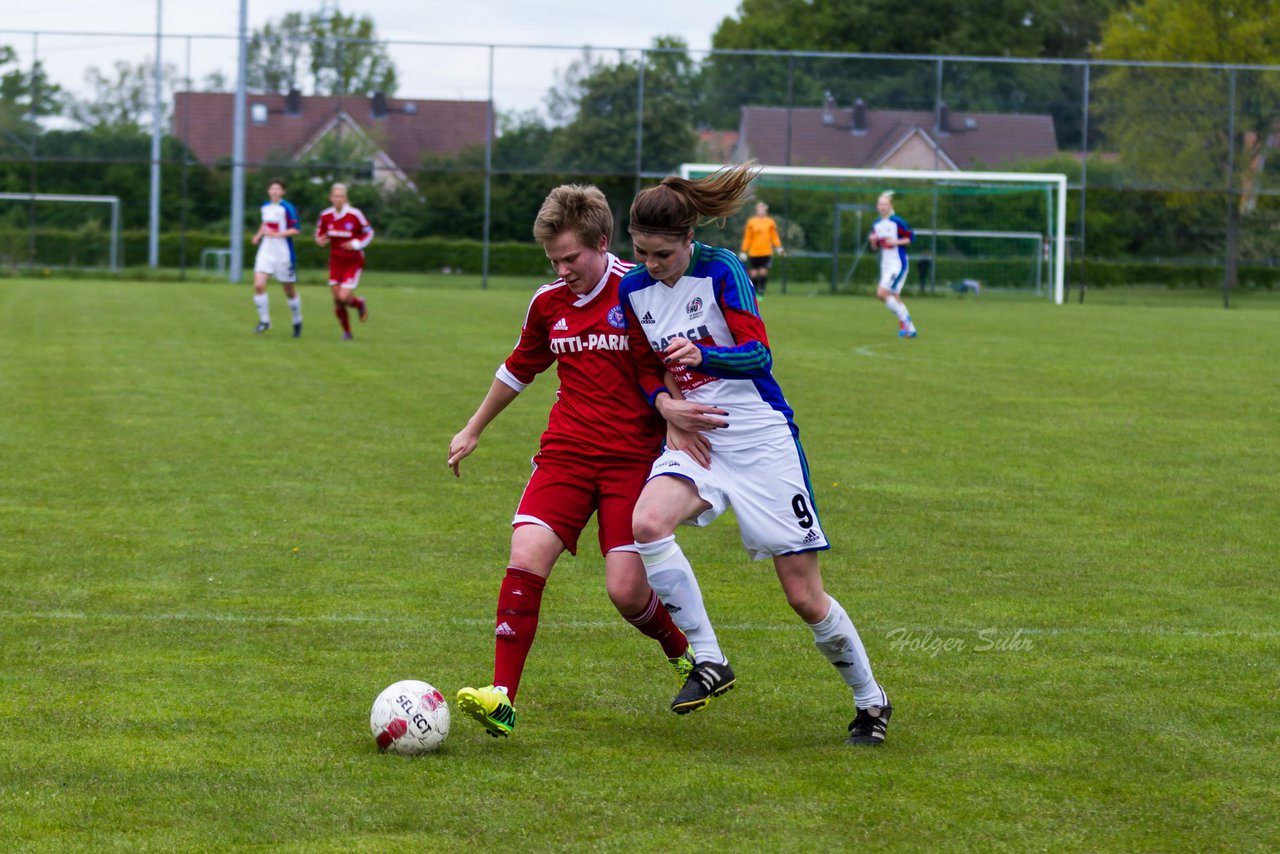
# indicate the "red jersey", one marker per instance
pixel 342 226
pixel 599 409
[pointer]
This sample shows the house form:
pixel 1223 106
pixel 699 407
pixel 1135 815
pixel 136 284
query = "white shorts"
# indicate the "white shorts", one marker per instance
pixel 272 265
pixel 893 276
pixel 768 487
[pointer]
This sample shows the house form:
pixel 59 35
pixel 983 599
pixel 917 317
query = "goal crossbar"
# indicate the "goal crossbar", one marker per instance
pixel 1055 182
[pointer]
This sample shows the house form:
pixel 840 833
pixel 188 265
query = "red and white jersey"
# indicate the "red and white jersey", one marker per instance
pixel 341 226
pixel 599 409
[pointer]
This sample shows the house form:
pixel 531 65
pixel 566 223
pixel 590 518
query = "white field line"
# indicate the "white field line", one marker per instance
pixel 941 632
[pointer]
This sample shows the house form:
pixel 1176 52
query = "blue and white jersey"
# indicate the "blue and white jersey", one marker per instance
pixel 714 306
pixel 276 219
pixel 894 257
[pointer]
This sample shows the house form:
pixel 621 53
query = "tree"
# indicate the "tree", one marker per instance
pixel 25 95
pixel 1195 130
pixel 123 97
pixel 1036 29
pixel 601 103
pixel 328 54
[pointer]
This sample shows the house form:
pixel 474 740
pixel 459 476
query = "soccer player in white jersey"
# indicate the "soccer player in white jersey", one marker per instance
pixel 276 257
pixel 600 440
pixel 691 310
pixel 891 235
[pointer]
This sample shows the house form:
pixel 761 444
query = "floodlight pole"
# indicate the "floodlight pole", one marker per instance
pixel 237 151
pixel 153 235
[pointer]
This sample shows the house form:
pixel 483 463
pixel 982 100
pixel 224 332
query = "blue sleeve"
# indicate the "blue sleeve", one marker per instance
pixel 749 359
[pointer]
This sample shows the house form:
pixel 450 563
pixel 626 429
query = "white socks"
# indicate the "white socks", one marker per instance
pixel 673 580
pixel 838 640
pixel 895 305
pixel 261 301
pixel 295 306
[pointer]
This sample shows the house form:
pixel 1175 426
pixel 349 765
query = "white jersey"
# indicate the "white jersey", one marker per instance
pixel 713 305
pixel 277 217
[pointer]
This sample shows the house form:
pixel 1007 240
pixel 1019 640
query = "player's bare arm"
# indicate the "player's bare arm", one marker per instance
pixel 465 441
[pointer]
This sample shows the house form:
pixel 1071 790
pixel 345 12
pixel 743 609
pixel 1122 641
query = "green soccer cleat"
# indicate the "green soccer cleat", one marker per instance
pixel 491 708
pixel 682 665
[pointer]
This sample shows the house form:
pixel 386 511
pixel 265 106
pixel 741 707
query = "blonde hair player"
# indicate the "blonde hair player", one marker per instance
pixel 891 235
pixel 346 232
pixel 691 310
pixel 600 440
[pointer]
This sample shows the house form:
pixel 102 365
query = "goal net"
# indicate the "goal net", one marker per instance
pixel 60 231
pixel 973 231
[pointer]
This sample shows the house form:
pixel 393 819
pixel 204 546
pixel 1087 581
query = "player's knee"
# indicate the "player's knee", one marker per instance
pixel 629 593
pixel 649 525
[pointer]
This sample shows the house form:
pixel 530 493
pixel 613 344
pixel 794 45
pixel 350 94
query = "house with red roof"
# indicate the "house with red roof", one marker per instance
pixel 393 134
pixel 864 138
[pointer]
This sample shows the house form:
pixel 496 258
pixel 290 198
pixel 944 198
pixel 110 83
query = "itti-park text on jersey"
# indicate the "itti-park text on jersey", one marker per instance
pixel 702 333
pixel 581 343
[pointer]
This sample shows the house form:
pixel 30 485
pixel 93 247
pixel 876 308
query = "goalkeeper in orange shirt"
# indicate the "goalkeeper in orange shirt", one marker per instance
pixel 759 239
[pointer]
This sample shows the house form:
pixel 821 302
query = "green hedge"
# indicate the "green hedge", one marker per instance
pixel 63 248
pixel 76 249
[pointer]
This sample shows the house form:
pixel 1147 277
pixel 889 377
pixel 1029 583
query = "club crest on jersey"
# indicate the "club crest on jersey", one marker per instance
pixel 560 326
pixel 694 308
pixel 616 318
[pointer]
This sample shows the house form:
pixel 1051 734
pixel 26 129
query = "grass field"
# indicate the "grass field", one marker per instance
pixel 1057 529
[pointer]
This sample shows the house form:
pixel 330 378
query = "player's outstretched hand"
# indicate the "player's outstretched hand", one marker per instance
pixel 694 444
pixel 461 446
pixel 322 240
pixel 782 251
pixel 742 256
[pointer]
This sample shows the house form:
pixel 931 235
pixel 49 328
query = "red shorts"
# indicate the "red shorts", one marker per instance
pixel 345 270
pixel 563 493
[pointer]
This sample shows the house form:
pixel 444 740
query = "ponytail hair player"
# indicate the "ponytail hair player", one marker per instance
pixel 675 206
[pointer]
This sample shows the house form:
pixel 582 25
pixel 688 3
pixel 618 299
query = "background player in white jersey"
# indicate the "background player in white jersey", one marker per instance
pixel 891 235
pixel 691 310
pixel 600 440
pixel 276 257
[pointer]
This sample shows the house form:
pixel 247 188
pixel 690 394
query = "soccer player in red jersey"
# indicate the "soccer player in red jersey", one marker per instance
pixel 346 232
pixel 600 440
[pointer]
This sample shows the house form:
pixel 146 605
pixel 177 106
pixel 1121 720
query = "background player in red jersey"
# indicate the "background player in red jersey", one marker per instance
pixel 346 232
pixel 601 439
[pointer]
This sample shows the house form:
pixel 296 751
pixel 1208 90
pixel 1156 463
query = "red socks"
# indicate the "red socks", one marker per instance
pixel 519 600
pixel 340 310
pixel 655 622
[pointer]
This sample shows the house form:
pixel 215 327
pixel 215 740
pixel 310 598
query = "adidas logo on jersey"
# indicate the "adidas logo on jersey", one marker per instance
pixel 504 630
pixel 811 537
pixel 648 318
pixel 560 326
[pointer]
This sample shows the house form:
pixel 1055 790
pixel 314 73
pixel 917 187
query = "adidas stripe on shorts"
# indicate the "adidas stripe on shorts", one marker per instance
pixel 767 486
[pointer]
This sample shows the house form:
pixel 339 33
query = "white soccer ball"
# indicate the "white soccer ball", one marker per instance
pixel 409 718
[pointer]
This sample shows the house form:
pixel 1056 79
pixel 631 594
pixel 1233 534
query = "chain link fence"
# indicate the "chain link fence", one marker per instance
pixel 1170 167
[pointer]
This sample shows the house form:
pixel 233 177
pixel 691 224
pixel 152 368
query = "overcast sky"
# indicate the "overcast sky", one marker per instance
pixel 521 76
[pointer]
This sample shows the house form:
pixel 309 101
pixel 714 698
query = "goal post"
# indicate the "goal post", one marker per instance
pixel 1045 217
pixel 79 229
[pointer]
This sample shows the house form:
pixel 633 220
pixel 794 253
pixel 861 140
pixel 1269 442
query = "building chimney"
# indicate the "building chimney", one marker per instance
pixel 293 103
pixel 378 105
pixel 828 108
pixel 859 116
pixel 944 119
